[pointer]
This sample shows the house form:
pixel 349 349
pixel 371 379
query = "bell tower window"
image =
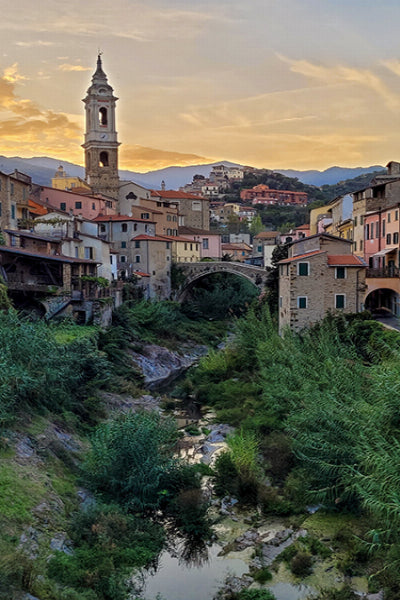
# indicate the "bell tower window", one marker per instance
pixel 103 116
pixel 103 162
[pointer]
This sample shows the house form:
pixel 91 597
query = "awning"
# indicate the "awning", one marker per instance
pixel 385 251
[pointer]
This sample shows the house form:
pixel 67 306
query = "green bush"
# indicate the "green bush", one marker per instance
pixel 301 564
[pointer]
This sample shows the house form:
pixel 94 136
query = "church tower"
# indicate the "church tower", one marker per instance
pixel 101 143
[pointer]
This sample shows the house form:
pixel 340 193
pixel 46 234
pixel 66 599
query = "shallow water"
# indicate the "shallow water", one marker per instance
pixel 175 579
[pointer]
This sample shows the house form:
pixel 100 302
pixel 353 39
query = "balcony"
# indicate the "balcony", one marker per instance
pixel 384 272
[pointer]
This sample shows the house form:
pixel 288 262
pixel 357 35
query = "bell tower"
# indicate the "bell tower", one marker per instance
pixel 101 143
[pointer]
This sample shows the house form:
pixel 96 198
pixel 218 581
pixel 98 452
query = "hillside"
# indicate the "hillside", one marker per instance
pixel 42 169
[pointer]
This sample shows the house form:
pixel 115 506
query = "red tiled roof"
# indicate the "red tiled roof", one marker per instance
pixel 303 227
pixel 300 256
pixel 141 274
pixel 174 195
pixel 345 260
pixel 36 208
pixel 105 218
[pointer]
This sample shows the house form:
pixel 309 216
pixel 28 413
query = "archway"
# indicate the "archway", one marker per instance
pixel 383 300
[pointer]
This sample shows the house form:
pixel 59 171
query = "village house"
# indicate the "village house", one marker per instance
pixel 15 191
pixel 264 243
pixel 295 234
pixel 153 259
pixel 119 231
pixel 63 181
pixel 194 211
pixel 209 242
pixel 78 202
pixel 237 252
pixel 320 275
pixel 262 194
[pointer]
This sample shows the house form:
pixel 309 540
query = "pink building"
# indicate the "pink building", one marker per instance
pixel 87 205
pixel 381 238
pixel 210 243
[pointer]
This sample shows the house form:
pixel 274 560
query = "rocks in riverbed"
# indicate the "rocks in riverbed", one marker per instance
pixel 233 585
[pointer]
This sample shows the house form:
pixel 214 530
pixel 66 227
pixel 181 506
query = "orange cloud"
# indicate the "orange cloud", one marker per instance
pixel 66 67
pixel 141 158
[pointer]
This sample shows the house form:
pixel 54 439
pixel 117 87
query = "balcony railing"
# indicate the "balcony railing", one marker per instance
pixel 384 272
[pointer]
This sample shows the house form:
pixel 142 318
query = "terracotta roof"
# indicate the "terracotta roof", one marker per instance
pixel 36 207
pixel 234 246
pixel 345 260
pixel 302 227
pixel 141 274
pixel 174 195
pixel 327 235
pixel 105 218
pixel 300 256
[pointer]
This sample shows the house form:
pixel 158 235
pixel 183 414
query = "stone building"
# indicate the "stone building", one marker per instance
pixel 320 275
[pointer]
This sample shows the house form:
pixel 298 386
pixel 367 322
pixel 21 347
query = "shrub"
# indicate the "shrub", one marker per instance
pixel 301 564
pixel 262 575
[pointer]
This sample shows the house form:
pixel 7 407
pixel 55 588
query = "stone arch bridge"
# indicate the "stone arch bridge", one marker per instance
pixel 196 270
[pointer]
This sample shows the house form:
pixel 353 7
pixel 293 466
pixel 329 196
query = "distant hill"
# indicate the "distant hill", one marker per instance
pixel 329 176
pixel 42 169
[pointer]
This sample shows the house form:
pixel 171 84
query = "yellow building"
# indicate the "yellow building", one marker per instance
pixel 184 249
pixel 62 181
pixel 317 215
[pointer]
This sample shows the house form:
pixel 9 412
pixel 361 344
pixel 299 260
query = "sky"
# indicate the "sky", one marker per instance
pixel 302 84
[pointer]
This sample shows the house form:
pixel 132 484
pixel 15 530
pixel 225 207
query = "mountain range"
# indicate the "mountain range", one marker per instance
pixel 43 168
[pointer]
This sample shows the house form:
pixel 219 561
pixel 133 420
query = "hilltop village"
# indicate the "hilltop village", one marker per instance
pixel 70 248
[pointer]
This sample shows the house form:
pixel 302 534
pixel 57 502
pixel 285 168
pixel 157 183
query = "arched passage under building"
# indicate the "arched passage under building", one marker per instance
pixel 383 300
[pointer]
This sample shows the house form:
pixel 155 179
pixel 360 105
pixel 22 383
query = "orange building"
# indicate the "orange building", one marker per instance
pixel 262 194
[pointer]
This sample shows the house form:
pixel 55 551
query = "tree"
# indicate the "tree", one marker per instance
pixel 279 253
pixel 256 225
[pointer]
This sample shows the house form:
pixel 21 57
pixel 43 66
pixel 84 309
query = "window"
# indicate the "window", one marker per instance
pixel 145 216
pixel 13 211
pixel 123 244
pixel 168 245
pixel 340 273
pixel 361 245
pixel 372 231
pixel 259 248
pixel 388 217
pixel 122 258
pixel 303 268
pixel 124 227
pixel 361 219
pixel 102 228
pixel 78 204
pixel 383 228
pixel 355 221
pixel 377 231
pixel 396 215
pixel 137 244
pixel 93 206
pixel 389 238
pixel 191 246
pixel 103 159
pixel 63 206
pixel 355 246
pixel 340 301
pixel 135 227
pixel 186 246
pixel 196 205
pixel 88 252
pixel 168 217
pixel 396 238
pixel 301 301
pixel 137 258
pixel 76 252
pixel 205 243
pixel 12 188
pixel 367 231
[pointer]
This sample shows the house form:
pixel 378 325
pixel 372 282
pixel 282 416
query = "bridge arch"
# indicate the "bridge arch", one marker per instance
pixel 193 272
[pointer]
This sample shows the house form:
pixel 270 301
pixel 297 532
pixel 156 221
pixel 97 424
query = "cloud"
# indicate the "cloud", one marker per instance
pixel 67 67
pixel 34 43
pixel 142 158
pixel 340 74
pixel 27 126
pixel 11 74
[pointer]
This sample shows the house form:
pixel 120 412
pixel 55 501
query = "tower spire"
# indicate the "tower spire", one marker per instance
pixel 99 73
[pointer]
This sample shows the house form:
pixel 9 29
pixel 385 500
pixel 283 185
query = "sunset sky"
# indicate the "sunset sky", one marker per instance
pixel 269 83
